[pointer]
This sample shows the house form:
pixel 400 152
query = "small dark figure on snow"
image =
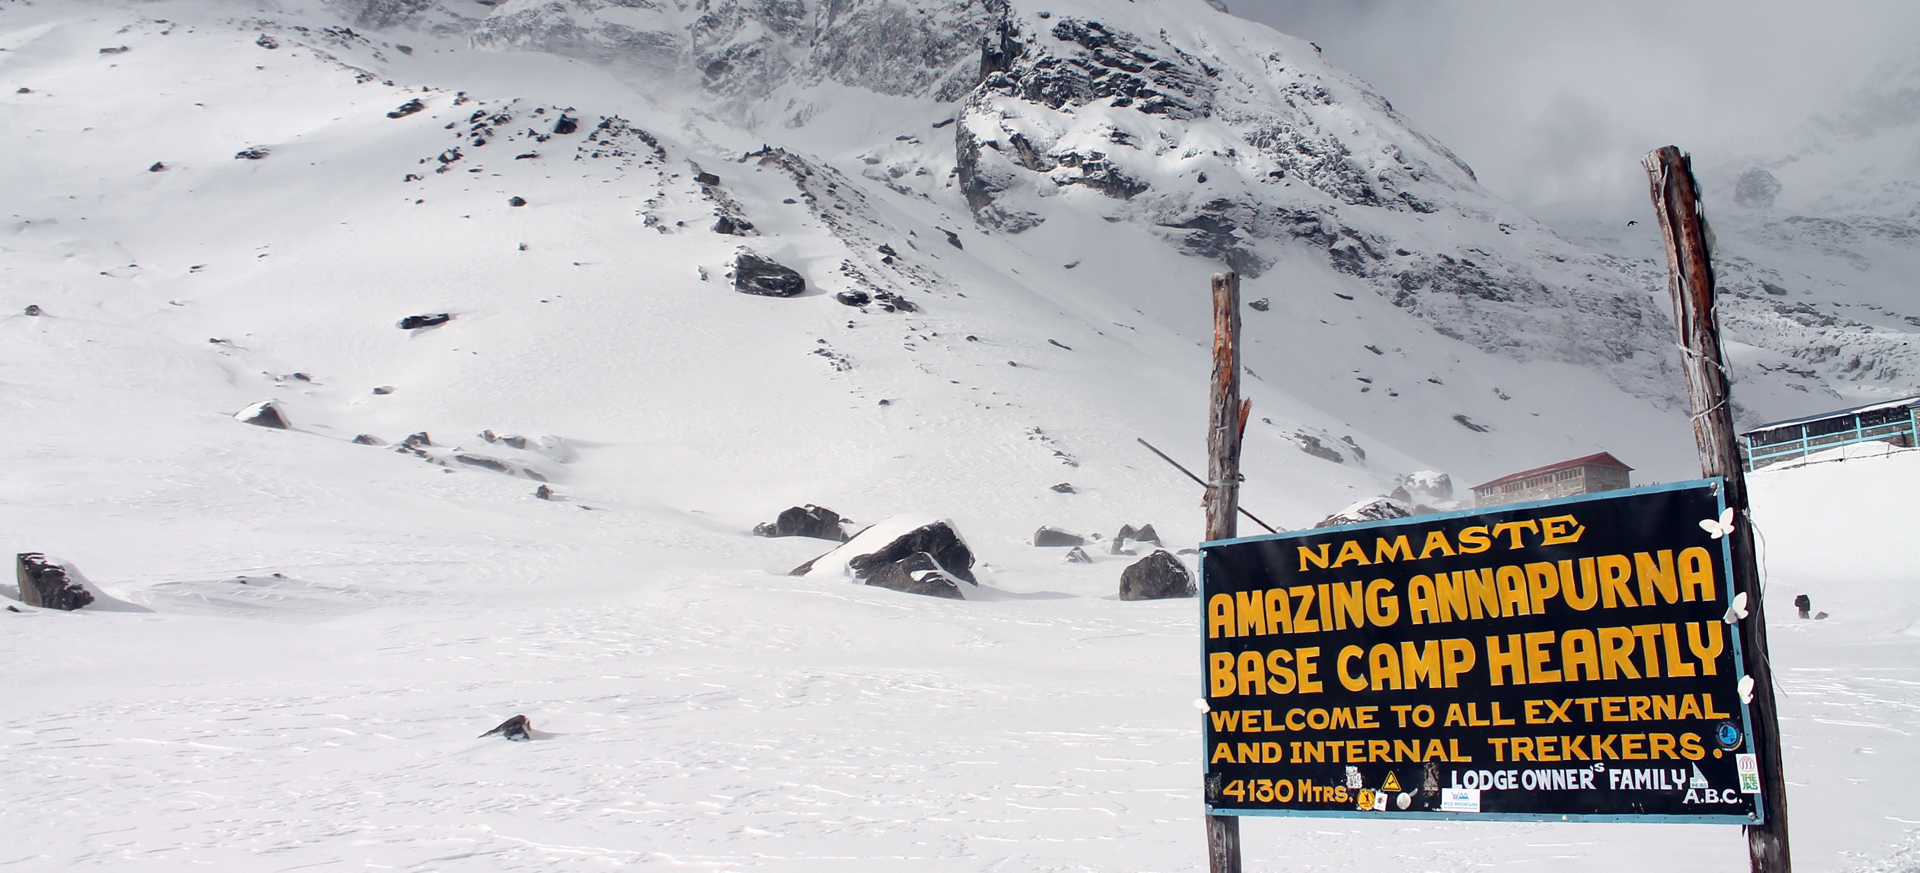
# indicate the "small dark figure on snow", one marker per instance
pixel 1803 603
pixel 514 728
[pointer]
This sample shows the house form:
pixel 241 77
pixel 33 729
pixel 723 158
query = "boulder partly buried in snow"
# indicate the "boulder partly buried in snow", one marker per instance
pixel 1159 576
pixel 753 274
pixel 1053 537
pixel 1371 509
pixel 913 553
pixel 45 584
pixel 266 413
pixel 818 522
pixel 415 322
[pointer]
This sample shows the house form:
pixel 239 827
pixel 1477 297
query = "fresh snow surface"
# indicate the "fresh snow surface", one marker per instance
pixel 324 628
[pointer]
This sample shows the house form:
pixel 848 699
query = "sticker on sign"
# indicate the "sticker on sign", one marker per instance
pixel 1749 766
pixel 1459 800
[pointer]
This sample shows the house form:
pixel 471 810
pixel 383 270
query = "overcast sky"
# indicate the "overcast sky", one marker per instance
pixel 1552 102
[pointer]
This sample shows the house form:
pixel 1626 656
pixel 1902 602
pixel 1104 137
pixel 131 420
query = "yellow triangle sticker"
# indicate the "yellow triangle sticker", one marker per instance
pixel 1392 783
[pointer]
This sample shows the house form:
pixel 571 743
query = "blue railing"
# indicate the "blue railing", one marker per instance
pixel 1794 442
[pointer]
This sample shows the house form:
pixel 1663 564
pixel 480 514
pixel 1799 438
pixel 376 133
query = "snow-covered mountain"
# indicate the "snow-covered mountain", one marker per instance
pixel 1005 217
pixel 1818 241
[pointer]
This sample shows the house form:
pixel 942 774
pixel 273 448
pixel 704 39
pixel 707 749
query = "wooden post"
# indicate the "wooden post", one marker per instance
pixel 1225 420
pixel 1676 202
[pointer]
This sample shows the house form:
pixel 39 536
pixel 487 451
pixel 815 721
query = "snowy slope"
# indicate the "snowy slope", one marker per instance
pixel 699 707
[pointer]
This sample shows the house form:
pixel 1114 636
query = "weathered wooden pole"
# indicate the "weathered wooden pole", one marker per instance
pixel 1225 422
pixel 1676 202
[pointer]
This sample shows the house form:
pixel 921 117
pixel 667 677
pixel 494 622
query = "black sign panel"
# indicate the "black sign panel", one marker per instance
pixel 1564 660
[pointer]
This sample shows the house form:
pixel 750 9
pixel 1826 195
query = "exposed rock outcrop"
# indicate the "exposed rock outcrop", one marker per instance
pixel 1159 576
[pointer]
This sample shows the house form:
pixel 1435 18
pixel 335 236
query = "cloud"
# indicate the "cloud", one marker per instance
pixel 1554 101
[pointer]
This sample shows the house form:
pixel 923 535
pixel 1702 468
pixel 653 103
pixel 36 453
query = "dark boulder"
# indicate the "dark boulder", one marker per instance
pixel 543 492
pixel 1048 537
pixel 415 322
pixel 483 462
pixel 45 584
pixel 516 201
pixel 367 439
pixel 732 226
pixel 567 124
pixel 158 167
pixel 1064 488
pixel 1260 305
pixel 1159 576
pixel 753 274
pixel 818 522
pixel 1147 534
pixel 32 309
pixel 854 298
pixel 917 573
pixel 418 440
pixel 1077 555
pixel 407 108
pixel 937 540
pixel 266 413
pixel 252 153
pixel 267 42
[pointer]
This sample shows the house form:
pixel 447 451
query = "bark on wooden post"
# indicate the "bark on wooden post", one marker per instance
pixel 1225 420
pixel 1676 201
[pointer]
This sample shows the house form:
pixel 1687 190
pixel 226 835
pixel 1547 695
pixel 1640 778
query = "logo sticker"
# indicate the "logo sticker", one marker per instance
pixel 1699 779
pixel 1727 735
pixel 1392 783
pixel 1459 800
pixel 1749 773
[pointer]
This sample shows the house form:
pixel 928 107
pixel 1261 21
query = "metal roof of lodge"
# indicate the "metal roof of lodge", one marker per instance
pixel 1871 407
pixel 1603 459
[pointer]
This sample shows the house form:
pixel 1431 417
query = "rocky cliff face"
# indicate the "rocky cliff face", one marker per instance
pixel 1228 141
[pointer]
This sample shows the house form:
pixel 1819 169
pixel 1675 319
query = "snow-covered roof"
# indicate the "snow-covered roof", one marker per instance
pixel 1602 459
pixel 1871 407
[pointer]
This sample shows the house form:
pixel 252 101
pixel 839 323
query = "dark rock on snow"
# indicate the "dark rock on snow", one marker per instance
pixel 706 178
pixel 367 439
pixel 917 573
pixel 1064 488
pixel 267 42
pixel 415 322
pixel 854 298
pixel 32 309
pixel 1260 305
pixel 1077 555
pixel 158 167
pixel 513 728
pixel 516 201
pixel 818 522
pixel 383 390
pixel 543 492
pixel 252 153
pixel 266 413
pixel 45 584
pixel 937 540
pixel 1158 576
pixel 416 441
pixel 408 108
pixel 567 124
pixel 1048 537
pixel 753 274
pixel 732 226
pixel 483 462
